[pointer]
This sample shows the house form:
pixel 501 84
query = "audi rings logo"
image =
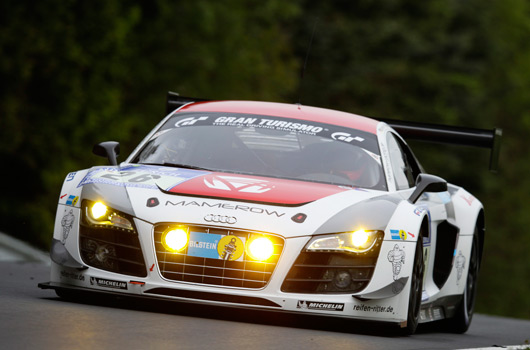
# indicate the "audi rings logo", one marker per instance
pixel 220 219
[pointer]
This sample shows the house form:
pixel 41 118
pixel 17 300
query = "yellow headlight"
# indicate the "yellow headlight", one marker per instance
pixel 98 210
pixel 360 238
pixel 260 249
pixel 359 241
pixel 175 239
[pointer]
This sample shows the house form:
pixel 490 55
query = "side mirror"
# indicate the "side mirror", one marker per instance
pixel 109 149
pixel 427 183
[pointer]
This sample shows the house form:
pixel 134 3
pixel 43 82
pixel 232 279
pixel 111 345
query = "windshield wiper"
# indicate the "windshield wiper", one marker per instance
pixel 176 165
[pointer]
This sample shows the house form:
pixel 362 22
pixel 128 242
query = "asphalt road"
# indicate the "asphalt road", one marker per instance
pixel 32 318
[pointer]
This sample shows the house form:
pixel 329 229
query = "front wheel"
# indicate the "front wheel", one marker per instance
pixel 464 313
pixel 416 288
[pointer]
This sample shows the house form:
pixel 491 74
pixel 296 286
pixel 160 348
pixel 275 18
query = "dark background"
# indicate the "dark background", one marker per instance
pixel 74 73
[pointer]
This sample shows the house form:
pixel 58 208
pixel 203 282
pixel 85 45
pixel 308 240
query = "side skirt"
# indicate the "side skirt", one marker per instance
pixel 440 309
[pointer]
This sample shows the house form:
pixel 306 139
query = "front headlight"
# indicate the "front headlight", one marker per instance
pixel 175 239
pixel 359 241
pixel 99 214
pixel 260 248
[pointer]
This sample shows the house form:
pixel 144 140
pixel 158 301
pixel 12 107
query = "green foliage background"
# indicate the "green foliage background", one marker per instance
pixel 74 73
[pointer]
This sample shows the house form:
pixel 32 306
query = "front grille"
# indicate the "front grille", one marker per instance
pixel 325 272
pixel 112 250
pixel 186 266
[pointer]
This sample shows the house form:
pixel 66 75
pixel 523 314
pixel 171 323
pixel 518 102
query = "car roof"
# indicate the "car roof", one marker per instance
pixel 295 111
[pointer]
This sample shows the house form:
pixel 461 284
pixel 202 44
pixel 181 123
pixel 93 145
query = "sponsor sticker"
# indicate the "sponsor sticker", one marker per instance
pixel 189 121
pixel 226 205
pixel 269 123
pixel 400 234
pixel 231 248
pixel 72 275
pixel 460 264
pixel 203 245
pixel 67 223
pixel 374 308
pixel 70 176
pixel 396 257
pixel 72 200
pixel 468 198
pixel 346 137
pixel 213 246
pixel 418 211
pixel 237 183
pixel 101 282
pixel 317 305
pixel 141 176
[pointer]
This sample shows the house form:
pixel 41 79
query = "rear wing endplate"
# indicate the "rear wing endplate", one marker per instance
pixel 452 135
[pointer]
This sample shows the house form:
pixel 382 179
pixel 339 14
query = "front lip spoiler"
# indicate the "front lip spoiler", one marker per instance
pixel 227 298
pixel 76 294
pixel 165 294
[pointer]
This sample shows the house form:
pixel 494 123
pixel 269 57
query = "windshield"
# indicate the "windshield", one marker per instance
pixel 267 146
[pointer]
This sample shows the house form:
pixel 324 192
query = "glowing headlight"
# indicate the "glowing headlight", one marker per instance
pixel 175 239
pixel 360 238
pixel 260 249
pixel 359 241
pixel 98 210
pixel 98 213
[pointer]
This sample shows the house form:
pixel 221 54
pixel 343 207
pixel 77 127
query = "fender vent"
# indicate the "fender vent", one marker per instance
pixel 112 250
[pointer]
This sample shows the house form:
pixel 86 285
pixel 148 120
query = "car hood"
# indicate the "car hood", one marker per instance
pixel 287 207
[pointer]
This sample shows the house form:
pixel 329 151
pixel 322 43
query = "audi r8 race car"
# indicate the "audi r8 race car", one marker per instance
pixel 279 207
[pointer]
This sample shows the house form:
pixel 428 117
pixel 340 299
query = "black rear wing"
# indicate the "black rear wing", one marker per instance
pixel 409 130
pixel 174 101
pixel 452 135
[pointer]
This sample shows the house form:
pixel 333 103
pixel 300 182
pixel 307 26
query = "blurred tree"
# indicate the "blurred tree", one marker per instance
pixel 230 49
pixel 448 62
pixel 60 69
pixel 74 73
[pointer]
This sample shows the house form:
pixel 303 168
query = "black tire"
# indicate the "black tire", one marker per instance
pixel 464 312
pixel 416 289
pixel 65 294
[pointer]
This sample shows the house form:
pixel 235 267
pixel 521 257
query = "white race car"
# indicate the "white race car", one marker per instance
pixel 278 207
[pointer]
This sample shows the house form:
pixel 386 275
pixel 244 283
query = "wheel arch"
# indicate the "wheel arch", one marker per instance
pixel 425 229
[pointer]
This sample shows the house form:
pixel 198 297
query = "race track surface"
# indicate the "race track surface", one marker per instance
pixel 35 318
